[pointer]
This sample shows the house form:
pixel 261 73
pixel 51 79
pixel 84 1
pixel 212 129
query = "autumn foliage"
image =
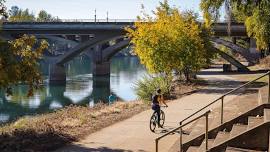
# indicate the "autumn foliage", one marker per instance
pixel 19 62
pixel 172 40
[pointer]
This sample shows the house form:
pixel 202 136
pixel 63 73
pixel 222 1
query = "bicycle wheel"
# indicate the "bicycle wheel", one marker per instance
pixel 162 118
pixel 153 122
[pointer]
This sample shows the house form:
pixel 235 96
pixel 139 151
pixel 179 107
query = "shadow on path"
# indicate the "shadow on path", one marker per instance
pixel 41 140
pixel 230 73
pixel 78 148
pixel 223 86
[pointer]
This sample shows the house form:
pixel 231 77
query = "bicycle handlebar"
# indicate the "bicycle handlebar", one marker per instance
pixel 164 106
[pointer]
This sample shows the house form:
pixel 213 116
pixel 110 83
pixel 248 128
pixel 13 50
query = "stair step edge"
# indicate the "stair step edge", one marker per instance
pixel 234 149
pixel 210 143
pixel 266 115
pixel 221 137
pixel 237 129
pixel 254 121
pixel 193 149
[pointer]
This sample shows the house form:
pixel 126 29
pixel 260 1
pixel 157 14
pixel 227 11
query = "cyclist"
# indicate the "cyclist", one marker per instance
pixel 158 99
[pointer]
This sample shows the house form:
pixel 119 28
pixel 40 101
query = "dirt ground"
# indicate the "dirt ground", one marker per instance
pixel 48 132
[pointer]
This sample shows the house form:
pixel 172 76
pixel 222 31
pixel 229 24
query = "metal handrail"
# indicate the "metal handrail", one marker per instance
pixel 206 114
pixel 222 97
pixel 183 125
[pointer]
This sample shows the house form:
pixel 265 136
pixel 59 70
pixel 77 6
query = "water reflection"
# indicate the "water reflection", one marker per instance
pixel 81 88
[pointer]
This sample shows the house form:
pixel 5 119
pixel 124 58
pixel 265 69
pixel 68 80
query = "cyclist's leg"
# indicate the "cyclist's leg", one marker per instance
pixel 158 114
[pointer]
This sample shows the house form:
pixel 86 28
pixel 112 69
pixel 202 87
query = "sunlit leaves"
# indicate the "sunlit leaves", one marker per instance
pixel 20 15
pixel 170 41
pixel 19 62
pixel 17 14
pixel 255 15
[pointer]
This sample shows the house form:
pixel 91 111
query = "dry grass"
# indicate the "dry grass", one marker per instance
pixel 264 63
pixel 50 131
pixel 181 88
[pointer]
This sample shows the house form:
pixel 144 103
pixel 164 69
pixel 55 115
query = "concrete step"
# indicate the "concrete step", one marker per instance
pixel 221 137
pixel 193 149
pixel 233 149
pixel 266 115
pixel 199 127
pixel 254 121
pixel 210 143
pixel 237 129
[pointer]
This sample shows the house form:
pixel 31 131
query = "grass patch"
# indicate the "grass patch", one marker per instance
pixel 50 131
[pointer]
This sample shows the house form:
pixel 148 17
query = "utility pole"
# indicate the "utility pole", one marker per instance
pixel 95 15
pixel 107 16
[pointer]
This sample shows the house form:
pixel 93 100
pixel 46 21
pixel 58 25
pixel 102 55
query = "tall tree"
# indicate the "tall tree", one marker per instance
pixel 20 15
pixel 19 60
pixel 255 14
pixel 171 41
pixel 3 13
pixel 43 16
pixel 14 11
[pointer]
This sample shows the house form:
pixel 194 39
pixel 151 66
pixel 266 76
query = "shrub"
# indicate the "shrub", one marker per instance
pixel 265 63
pixel 145 87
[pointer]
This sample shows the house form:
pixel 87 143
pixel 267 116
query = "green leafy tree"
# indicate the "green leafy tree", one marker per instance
pixel 19 60
pixel 145 87
pixel 255 14
pixel 19 15
pixel 171 41
pixel 43 16
pixel 3 9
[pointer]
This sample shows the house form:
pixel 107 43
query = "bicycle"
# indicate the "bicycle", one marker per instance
pixel 154 119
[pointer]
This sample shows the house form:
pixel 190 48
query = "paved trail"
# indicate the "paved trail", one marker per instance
pixel 133 134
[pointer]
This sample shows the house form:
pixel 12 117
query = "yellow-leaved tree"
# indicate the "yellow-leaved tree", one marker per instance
pixel 172 40
pixel 19 62
pixel 254 13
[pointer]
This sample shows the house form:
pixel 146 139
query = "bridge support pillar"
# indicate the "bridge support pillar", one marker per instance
pixel 101 88
pixel 234 40
pixel 101 68
pixel 57 74
pixel 252 46
pixel 84 38
pixel 71 37
pixel 253 50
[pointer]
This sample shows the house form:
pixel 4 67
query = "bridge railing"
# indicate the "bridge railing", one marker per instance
pixel 87 20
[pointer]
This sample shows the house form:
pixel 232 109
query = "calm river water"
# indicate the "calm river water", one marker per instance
pixel 81 88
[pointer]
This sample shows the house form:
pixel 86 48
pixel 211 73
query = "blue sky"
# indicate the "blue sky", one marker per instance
pixel 84 9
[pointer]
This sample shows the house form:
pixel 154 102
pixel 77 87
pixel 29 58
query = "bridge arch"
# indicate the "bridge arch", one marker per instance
pixel 250 57
pixel 87 45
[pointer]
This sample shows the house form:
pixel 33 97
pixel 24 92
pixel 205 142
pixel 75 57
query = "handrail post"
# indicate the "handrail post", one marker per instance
pixel 156 145
pixel 181 138
pixel 222 108
pixel 206 131
pixel 269 88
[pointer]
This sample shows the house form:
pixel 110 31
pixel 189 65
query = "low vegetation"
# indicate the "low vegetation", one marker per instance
pixel 50 131
pixel 265 63
pixel 171 88
pixel 145 87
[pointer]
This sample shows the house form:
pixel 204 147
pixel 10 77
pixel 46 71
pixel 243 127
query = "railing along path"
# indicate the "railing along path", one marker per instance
pixel 221 98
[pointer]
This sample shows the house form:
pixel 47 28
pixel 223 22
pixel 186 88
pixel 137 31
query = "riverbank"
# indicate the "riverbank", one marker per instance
pixel 50 131
pixel 133 134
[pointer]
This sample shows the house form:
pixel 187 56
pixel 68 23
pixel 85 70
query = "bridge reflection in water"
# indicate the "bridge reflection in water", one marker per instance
pixel 81 89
